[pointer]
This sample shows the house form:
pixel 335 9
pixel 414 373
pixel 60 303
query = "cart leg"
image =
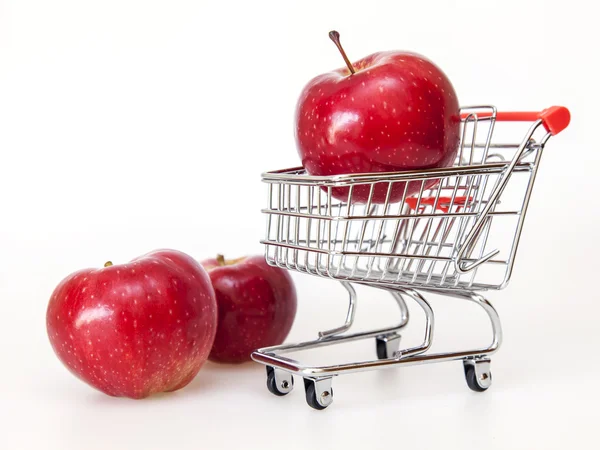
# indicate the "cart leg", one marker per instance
pixel 492 315
pixel 477 366
pixel 349 315
pixel 429 324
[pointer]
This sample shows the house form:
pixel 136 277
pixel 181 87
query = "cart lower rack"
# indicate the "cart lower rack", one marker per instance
pixel 457 235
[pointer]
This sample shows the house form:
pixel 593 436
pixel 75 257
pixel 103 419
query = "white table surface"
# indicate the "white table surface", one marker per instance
pixel 544 392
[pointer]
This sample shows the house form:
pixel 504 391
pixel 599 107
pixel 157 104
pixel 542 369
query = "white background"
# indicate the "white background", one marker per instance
pixel 128 125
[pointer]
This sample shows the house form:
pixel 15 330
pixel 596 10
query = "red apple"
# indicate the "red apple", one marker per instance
pixel 135 329
pixel 256 304
pixel 391 111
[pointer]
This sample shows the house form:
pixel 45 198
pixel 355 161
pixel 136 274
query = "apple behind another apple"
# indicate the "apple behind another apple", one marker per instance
pixel 397 112
pixel 135 329
pixel 256 306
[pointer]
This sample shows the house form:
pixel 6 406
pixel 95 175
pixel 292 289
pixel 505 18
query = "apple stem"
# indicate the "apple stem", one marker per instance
pixel 221 260
pixel 335 37
pixel 108 264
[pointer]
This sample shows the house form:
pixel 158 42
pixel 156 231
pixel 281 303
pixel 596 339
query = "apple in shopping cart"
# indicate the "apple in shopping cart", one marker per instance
pixel 135 329
pixel 390 111
pixel 256 303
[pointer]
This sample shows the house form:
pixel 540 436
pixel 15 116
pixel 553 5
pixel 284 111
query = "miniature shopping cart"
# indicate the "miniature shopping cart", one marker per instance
pixel 452 231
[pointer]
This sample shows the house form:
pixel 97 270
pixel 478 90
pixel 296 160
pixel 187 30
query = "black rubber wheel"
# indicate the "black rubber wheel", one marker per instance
pixel 311 396
pixel 272 384
pixel 472 380
pixel 381 347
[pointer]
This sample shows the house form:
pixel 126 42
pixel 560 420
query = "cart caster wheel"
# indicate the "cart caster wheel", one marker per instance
pixel 387 345
pixel 279 383
pixel 478 374
pixel 319 393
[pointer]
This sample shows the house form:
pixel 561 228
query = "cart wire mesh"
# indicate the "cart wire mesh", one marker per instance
pixel 452 228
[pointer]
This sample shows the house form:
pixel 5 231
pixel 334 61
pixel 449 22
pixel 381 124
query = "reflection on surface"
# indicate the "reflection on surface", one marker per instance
pixel 92 314
pixel 340 121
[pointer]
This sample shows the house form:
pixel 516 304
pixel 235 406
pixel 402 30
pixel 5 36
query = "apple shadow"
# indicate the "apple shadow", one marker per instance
pixel 212 377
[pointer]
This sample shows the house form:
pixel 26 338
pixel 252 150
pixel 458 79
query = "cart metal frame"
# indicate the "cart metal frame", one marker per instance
pixel 459 222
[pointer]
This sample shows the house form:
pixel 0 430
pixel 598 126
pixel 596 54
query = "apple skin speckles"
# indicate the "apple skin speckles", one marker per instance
pixel 135 332
pixel 399 103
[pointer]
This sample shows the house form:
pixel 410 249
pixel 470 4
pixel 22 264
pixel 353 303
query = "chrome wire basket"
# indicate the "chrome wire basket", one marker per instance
pixel 450 230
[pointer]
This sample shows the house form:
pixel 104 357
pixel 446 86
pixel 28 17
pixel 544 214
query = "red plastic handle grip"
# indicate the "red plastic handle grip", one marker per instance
pixel 443 202
pixel 555 119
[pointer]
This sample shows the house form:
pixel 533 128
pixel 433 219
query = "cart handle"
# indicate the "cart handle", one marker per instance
pixel 555 119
